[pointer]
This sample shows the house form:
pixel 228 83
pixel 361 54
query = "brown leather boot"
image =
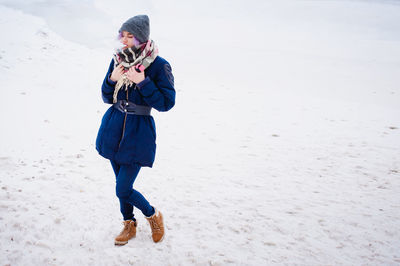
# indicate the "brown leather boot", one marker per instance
pixel 157 226
pixel 127 233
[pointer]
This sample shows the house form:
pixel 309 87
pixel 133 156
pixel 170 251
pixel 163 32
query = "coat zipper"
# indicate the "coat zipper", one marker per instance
pixel 123 128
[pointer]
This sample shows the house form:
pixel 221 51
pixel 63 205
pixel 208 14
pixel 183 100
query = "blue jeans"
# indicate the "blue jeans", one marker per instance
pixel 129 197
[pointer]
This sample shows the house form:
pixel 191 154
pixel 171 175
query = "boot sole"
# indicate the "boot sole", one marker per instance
pixel 120 243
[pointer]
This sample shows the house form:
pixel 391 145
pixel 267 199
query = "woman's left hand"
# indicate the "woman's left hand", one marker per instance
pixel 135 76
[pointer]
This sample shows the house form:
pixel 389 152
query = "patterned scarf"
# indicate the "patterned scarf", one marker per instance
pixel 143 54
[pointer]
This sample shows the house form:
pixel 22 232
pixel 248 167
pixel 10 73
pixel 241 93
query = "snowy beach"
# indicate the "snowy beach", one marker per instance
pixel 283 147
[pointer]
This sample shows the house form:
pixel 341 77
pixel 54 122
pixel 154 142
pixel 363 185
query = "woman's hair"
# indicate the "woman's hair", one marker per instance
pixel 135 41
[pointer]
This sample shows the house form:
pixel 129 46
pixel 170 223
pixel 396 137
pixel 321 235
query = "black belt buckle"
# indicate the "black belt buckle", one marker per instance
pixel 128 107
pixel 123 105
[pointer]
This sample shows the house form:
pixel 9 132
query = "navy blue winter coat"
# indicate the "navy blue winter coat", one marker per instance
pixel 137 143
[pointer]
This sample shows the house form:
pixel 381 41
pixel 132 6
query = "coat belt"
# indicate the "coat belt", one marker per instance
pixel 131 108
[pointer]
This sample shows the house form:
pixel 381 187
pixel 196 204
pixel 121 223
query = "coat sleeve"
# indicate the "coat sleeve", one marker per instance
pixel 159 92
pixel 108 86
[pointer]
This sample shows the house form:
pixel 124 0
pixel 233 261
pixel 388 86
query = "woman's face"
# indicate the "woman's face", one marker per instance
pixel 127 39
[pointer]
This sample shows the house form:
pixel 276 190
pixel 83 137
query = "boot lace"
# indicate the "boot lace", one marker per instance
pixel 154 225
pixel 126 227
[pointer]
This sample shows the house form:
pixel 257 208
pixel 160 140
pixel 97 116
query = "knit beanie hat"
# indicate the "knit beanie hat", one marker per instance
pixel 139 26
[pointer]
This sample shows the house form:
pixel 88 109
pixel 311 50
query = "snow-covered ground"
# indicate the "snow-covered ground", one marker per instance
pixel 283 146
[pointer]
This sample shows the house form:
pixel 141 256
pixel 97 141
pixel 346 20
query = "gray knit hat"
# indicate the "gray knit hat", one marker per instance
pixel 139 26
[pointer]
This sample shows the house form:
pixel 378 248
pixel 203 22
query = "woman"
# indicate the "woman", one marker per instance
pixel 137 81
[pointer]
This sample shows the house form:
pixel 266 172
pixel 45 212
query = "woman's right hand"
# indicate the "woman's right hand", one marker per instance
pixel 117 73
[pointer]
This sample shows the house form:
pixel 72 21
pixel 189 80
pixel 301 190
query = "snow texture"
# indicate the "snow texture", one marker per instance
pixel 283 147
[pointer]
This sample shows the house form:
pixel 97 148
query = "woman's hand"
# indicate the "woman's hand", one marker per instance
pixel 117 73
pixel 135 76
